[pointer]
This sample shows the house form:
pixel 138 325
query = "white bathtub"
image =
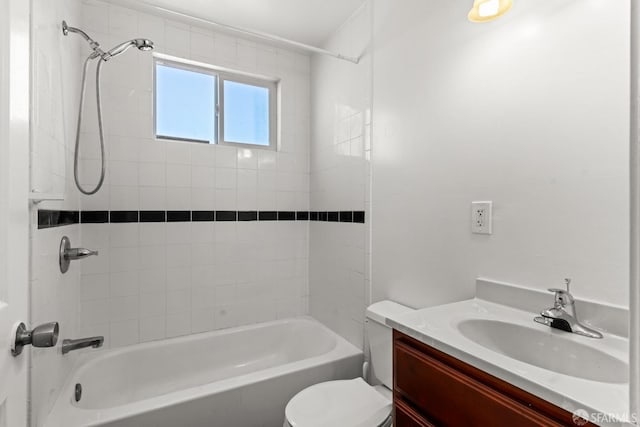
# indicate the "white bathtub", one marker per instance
pixel 240 377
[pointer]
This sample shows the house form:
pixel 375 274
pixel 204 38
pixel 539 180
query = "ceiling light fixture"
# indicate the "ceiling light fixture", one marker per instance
pixel 488 10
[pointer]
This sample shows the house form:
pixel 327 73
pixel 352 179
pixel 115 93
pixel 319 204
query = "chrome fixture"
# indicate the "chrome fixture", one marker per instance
pixel 71 345
pixel 77 392
pixel 68 254
pixel 45 335
pixel 97 52
pixel 563 314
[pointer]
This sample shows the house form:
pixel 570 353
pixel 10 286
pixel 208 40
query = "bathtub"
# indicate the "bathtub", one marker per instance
pixel 239 377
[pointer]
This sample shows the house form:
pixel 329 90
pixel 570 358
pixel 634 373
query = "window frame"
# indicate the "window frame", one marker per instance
pixel 221 75
pixel 270 86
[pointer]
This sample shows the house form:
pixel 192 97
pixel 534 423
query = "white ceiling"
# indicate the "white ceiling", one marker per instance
pixel 306 21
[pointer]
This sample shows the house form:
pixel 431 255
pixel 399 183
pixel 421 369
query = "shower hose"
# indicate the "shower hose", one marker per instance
pixel 100 129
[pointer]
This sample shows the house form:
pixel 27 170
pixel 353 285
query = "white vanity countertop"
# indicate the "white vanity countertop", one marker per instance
pixel 437 327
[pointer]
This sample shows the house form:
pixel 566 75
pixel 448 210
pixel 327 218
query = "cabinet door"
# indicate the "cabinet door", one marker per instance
pixel 448 397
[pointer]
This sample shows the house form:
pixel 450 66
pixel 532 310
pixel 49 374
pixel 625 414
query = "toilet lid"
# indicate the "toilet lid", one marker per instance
pixel 345 403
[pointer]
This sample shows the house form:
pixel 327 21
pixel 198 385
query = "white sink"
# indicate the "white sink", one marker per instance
pixel 569 370
pixel 546 349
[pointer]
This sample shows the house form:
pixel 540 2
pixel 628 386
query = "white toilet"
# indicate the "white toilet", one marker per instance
pixel 353 403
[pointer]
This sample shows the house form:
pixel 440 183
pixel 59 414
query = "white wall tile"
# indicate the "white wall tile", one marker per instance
pixel 94 286
pixel 152 174
pixel 152 328
pixel 225 178
pixel 226 157
pixel 124 333
pixel 125 283
pixel 178 324
pixel 152 234
pixel 153 304
pixel 178 175
pixel 124 308
pixel 340 98
pixel 177 39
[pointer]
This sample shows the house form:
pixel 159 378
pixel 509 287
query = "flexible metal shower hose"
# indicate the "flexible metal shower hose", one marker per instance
pixel 100 130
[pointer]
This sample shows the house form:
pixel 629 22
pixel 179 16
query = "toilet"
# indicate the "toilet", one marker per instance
pixel 353 403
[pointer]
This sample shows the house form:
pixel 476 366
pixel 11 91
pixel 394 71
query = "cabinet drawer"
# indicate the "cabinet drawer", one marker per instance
pixel 448 397
pixel 404 416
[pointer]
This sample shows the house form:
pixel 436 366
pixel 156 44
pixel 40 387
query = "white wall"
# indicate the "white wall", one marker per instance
pixel 530 111
pixel 55 91
pixel 157 280
pixel 340 153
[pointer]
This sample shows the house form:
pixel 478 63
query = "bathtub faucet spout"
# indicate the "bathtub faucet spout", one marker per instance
pixel 70 345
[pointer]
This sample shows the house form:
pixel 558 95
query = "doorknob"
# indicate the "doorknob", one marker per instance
pixel 45 335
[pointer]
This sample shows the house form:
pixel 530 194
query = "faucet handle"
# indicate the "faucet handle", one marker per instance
pixel 562 297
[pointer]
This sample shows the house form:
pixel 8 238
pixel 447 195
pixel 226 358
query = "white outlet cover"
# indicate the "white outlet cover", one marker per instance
pixel 481 217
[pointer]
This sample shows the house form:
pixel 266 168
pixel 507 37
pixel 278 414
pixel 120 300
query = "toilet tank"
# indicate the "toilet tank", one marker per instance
pixel 380 337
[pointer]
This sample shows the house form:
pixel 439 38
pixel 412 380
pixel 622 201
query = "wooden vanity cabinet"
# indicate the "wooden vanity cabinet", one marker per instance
pixel 431 388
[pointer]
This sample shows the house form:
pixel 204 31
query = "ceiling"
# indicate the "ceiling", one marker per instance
pixel 306 21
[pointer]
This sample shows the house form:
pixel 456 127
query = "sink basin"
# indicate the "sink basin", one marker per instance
pixel 546 349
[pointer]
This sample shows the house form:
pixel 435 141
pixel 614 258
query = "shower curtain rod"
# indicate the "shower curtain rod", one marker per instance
pixel 257 34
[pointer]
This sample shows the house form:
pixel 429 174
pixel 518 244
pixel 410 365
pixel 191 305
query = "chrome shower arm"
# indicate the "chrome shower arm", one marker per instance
pixel 66 29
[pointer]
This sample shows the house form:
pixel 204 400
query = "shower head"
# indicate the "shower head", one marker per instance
pixel 141 44
pixel 144 44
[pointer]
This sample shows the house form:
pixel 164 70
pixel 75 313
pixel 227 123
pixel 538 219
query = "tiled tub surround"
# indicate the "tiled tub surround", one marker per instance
pixel 163 279
pixel 182 252
pixel 340 176
pixel 234 273
pixel 151 281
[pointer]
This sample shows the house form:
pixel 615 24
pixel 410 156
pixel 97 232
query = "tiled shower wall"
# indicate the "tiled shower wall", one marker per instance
pixel 340 176
pixel 55 91
pixel 157 280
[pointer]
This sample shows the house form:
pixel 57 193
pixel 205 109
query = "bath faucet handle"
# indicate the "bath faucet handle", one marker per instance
pixel 68 254
pixel 45 335
pixel 79 253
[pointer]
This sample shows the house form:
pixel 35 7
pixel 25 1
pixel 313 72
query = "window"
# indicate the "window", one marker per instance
pixel 202 104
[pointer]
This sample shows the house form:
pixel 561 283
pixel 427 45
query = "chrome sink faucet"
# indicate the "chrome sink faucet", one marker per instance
pixel 563 314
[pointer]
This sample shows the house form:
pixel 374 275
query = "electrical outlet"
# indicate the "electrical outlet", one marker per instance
pixel 481 217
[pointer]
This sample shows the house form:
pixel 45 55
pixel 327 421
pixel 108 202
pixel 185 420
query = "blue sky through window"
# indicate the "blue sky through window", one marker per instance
pixel 185 104
pixel 246 113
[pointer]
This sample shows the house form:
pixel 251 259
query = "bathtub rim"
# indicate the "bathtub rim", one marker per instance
pixel 65 409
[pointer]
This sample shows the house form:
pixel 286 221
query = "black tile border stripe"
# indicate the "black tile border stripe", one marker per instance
pixel 268 216
pixel 286 216
pixel 203 216
pixel 52 218
pixel 153 216
pixel 94 217
pixel 123 216
pixel 247 215
pixel 178 216
pixel 226 215
pixel 346 216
